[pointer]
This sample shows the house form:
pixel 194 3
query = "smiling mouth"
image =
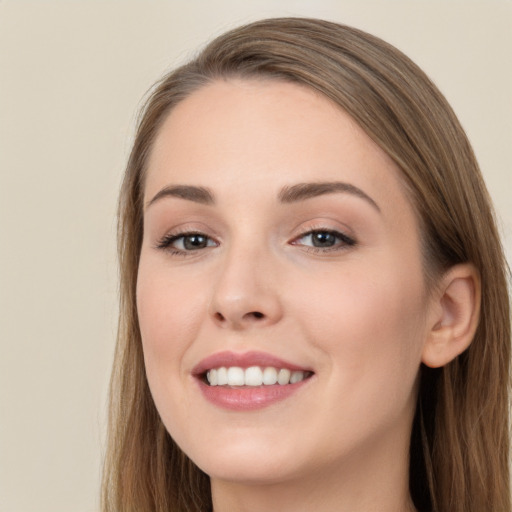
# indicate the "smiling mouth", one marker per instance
pixel 254 376
pixel 249 381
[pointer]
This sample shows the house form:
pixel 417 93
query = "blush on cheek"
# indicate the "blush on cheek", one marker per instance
pixel 169 318
pixel 368 318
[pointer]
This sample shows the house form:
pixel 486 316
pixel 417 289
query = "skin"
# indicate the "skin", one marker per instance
pixel 357 315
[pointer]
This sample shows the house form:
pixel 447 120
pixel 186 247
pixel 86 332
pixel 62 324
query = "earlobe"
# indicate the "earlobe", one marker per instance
pixel 455 318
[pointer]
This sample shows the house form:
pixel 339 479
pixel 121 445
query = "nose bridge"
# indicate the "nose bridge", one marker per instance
pixel 245 291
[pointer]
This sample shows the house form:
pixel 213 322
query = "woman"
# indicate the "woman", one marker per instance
pixel 314 309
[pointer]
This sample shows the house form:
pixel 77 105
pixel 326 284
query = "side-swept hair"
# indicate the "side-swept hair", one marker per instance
pixel 459 456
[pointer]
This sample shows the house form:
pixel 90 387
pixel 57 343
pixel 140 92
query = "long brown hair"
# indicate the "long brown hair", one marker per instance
pixel 459 457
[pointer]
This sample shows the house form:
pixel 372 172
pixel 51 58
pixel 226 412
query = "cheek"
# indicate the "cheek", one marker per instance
pixel 370 324
pixel 169 315
pixel 168 312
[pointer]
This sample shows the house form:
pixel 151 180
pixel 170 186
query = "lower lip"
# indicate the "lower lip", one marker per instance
pixel 249 398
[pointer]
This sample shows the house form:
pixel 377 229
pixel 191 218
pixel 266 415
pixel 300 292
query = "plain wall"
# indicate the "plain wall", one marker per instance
pixel 72 75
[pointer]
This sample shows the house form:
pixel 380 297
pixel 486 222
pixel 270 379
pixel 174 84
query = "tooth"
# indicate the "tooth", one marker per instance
pixel 222 376
pixel 253 376
pixel 236 376
pixel 269 376
pixel 283 377
pixel 296 377
pixel 211 376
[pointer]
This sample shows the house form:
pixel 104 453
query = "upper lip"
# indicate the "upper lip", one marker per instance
pixel 243 360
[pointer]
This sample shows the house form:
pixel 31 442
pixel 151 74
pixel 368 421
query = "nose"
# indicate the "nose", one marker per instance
pixel 246 291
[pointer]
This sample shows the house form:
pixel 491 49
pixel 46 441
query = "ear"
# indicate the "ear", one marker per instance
pixel 454 315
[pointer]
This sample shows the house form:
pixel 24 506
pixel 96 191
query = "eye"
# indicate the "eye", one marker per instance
pixel 324 239
pixel 185 242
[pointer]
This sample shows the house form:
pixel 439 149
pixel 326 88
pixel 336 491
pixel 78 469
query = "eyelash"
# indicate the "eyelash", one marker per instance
pixel 165 243
pixel 343 242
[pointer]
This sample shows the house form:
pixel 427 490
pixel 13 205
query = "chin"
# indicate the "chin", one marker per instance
pixel 250 464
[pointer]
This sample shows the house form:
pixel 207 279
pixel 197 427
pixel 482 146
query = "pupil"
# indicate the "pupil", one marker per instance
pixel 323 239
pixel 194 242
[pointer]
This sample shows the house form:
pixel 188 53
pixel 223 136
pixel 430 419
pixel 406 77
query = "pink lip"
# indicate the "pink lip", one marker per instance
pixel 245 398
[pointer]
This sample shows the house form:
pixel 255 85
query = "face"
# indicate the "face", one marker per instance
pixel 278 244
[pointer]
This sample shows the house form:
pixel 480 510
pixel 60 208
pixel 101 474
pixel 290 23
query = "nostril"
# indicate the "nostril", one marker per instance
pixel 238 320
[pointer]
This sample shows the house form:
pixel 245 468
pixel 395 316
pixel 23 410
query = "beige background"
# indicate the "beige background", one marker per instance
pixel 71 78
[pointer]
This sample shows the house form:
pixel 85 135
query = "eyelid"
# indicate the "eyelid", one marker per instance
pixel 344 241
pixel 166 241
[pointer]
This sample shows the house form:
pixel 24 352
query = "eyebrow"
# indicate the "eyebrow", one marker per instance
pixel 302 191
pixel 189 192
pixel 287 195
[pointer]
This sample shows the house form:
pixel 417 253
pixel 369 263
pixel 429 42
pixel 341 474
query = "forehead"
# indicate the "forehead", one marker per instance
pixel 255 133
